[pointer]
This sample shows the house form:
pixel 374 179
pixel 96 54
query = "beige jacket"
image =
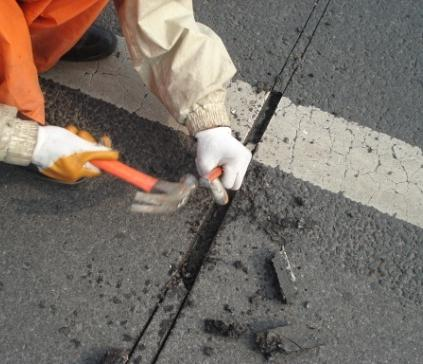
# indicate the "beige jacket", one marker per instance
pixel 184 63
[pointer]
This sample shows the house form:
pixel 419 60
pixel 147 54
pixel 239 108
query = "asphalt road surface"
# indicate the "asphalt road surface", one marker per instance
pixel 324 241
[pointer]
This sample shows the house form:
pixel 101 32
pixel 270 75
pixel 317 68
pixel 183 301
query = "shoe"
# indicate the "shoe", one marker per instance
pixel 97 43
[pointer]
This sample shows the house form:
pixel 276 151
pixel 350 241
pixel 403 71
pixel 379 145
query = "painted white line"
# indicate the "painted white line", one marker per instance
pixel 115 81
pixel 341 156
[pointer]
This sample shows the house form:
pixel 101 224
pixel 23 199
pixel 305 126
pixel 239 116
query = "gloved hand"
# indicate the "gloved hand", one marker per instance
pixel 217 147
pixel 64 154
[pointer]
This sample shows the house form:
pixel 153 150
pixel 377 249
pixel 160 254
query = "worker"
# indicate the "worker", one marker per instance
pixel 183 62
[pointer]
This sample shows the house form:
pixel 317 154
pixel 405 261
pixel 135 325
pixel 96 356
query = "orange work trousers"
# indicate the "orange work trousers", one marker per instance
pixel 34 34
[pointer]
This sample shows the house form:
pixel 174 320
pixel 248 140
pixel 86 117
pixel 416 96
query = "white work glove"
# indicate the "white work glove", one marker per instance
pixel 65 154
pixel 217 147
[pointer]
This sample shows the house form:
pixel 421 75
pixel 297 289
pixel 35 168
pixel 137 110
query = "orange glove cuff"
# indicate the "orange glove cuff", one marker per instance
pixel 72 168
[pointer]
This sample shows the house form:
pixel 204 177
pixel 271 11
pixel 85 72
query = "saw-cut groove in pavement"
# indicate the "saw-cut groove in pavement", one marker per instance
pixel 191 266
pixel 195 257
pixel 290 67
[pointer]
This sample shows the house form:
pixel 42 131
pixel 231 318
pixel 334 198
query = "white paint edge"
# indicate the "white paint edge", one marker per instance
pixel 337 155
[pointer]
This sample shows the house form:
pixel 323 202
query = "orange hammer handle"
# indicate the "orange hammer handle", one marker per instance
pixel 136 178
pixel 130 175
pixel 215 174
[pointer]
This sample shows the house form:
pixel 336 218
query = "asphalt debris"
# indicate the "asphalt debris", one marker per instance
pixel 115 356
pixel 207 350
pixel 227 308
pixel 278 228
pixel 240 265
pixel 76 343
pixel 285 277
pixel 261 86
pixel 289 339
pixel 225 329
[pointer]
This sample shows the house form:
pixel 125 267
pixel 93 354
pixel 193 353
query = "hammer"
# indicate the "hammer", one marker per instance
pixel 161 196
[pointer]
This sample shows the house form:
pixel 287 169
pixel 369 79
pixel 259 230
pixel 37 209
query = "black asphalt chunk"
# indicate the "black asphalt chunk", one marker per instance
pixel 221 328
pixel 207 350
pixel 115 356
pixel 285 277
pixel 288 339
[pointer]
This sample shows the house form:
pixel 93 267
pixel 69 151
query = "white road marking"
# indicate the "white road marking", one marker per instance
pixel 337 155
pixel 115 81
pixel 341 156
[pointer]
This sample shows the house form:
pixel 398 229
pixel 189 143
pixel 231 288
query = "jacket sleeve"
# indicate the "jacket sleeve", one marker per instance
pixel 184 63
pixel 17 137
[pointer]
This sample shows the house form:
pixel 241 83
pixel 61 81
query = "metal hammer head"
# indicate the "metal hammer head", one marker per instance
pixel 166 197
pixel 220 195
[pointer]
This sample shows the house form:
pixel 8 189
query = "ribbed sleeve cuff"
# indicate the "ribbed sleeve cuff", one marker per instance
pixel 22 141
pixel 207 117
